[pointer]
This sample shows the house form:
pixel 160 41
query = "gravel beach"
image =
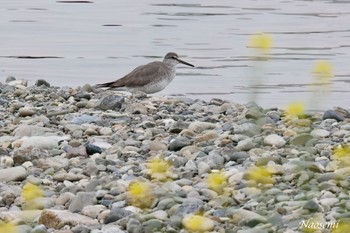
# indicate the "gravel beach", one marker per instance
pixel 98 161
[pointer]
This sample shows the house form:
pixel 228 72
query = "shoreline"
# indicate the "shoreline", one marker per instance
pixel 85 148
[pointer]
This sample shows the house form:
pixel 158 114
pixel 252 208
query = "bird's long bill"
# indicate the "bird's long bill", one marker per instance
pixel 183 62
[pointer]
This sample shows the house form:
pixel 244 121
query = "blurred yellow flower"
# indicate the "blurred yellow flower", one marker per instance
pixel 197 223
pixel 295 109
pixel 260 175
pixel 31 192
pixel 217 181
pixel 158 168
pixel 323 70
pixel 341 226
pixel 262 42
pixel 140 194
pixel 341 152
pixel 8 228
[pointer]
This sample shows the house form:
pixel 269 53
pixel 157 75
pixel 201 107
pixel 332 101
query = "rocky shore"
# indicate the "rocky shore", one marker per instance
pixel 102 162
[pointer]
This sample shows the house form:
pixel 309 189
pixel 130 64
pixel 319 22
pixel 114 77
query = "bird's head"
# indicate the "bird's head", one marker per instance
pixel 173 58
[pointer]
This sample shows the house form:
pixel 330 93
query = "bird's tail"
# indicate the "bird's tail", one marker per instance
pixel 104 85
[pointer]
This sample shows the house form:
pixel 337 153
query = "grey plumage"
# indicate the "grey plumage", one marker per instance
pixel 149 78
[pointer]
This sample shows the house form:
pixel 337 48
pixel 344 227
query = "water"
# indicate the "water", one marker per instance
pixel 70 43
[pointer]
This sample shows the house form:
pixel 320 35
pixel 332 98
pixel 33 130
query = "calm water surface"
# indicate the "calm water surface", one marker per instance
pixel 70 43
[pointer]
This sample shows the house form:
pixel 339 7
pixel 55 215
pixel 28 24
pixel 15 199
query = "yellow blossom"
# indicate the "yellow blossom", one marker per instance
pixel 197 223
pixel 323 70
pixel 159 168
pixel 30 194
pixel 8 227
pixel 260 175
pixel 262 42
pixel 296 109
pixel 342 152
pixel 341 226
pixel 217 181
pixel 140 194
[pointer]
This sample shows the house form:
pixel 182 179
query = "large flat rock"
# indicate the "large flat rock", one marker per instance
pixel 59 218
pixel 13 174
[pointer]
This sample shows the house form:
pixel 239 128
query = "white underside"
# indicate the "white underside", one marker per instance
pixel 156 86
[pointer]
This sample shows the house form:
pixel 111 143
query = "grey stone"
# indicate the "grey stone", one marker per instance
pixel 199 126
pixel 117 214
pixel 245 144
pixel 320 133
pixel 81 200
pixel 26 111
pixel 178 126
pixel 253 113
pixel 203 168
pixel 248 129
pixel 85 119
pixel 300 139
pixel 92 149
pixel 10 79
pixel 152 226
pixel 214 159
pixel 166 203
pixel 331 114
pixel 312 206
pixel 30 130
pixel 111 102
pixel 134 226
pixel 44 142
pixel 254 230
pixel 39 229
pixel 111 229
pixel 93 211
pixel 42 82
pixel 274 140
pixel 178 143
pixel 238 157
pixel 189 206
pixel 80 229
pixel 76 152
pixel 18 173
pixel 28 154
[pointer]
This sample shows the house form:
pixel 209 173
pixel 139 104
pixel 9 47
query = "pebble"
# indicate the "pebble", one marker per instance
pixel 274 140
pixel 84 119
pixel 39 229
pixel 320 133
pixel 25 111
pixel 93 211
pixel 57 219
pixel 199 127
pixel 111 102
pixel 42 82
pixel 134 226
pixel 153 225
pixel 81 200
pixel 43 142
pixel 18 173
pixel 245 144
pixel 179 143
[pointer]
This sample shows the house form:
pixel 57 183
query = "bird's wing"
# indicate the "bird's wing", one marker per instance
pixel 140 76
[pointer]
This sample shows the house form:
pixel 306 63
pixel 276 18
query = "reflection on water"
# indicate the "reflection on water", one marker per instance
pixel 77 42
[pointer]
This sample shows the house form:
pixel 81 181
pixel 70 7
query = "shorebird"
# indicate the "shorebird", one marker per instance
pixel 150 78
